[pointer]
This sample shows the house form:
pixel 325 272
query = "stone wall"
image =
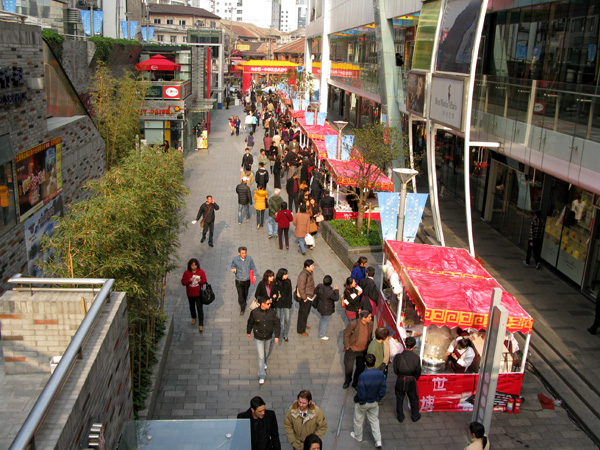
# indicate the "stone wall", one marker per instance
pixel 27 126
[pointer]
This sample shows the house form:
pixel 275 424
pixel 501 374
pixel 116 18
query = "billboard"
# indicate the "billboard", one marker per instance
pixel 415 96
pixel 426 35
pixel 448 101
pixel 36 227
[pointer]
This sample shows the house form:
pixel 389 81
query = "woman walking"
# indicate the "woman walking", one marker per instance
pixel 232 124
pixel 283 218
pixel 351 298
pixel 359 269
pixel 265 287
pixel 283 300
pixel 326 298
pixel 237 122
pixel 302 223
pixel 260 204
pixel 193 279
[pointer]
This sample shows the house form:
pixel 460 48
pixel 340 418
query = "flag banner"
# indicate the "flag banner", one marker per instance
pixel 124 29
pixel 144 34
pixel 415 205
pixel 132 29
pixel 309 117
pixel 98 16
pixel 321 118
pixel 85 20
pixel 151 32
pixel 347 143
pixel 388 214
pixel 304 104
pixel 296 104
pixel 10 6
pixel 331 145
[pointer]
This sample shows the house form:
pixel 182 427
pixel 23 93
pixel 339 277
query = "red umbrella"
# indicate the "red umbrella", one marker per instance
pixel 158 63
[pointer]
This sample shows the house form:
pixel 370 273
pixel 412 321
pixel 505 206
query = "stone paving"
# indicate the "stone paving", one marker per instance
pixel 214 374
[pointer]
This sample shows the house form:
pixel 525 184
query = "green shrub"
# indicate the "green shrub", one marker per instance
pixel 347 230
pixel 52 37
pixel 105 45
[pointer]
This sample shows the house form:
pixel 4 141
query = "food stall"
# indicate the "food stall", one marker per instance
pixel 439 293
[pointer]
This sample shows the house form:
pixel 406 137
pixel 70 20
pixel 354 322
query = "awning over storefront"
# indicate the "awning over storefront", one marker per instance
pixel 345 173
pixel 450 287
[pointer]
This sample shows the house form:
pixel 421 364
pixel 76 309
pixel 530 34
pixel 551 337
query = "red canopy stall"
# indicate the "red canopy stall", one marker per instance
pixel 451 291
pixel 158 63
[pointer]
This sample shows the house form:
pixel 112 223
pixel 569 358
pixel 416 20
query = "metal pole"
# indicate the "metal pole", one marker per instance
pixel 401 206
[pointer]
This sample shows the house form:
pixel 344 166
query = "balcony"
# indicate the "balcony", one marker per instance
pixel 169 90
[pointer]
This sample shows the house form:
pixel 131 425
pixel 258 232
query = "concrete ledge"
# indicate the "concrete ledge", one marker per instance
pixel 162 353
pixel 342 249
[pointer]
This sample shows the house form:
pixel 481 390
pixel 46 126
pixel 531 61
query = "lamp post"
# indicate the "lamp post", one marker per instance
pixel 339 125
pixel 405 176
pixel 315 108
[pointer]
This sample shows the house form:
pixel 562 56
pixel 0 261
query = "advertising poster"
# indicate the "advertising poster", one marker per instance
pixel 415 96
pixel 426 32
pixel 447 101
pixel 39 177
pixel 388 211
pixel 321 117
pixel 309 117
pixel 85 20
pixel 98 17
pixel 331 146
pixel 457 35
pixel 415 205
pixel 347 144
pixel 36 227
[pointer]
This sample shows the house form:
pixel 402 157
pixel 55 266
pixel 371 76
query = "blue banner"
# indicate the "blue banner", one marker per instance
pixel 85 20
pixel 124 29
pixel 132 29
pixel 331 146
pixel 388 210
pixel 309 117
pixel 384 118
pixel 296 104
pixel 10 6
pixel 304 104
pixel 415 205
pixel 347 143
pixel 98 16
pixel 321 118
pixel 144 34
pixel 151 31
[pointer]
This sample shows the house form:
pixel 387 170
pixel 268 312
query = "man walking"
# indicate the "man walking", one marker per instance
pixel 304 418
pixel 275 203
pixel 244 200
pixel 305 292
pixel 407 365
pixel 356 340
pixel 207 214
pixel 293 189
pixel 263 321
pixel 264 434
pixel 241 267
pixel 369 392
pixel 262 175
pixel 536 235
pixel 247 160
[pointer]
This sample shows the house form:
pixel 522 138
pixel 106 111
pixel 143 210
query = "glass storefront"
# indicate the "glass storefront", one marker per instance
pixel 156 132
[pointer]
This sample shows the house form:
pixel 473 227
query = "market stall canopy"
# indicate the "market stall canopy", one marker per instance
pixel 321 148
pixel 268 63
pixel 450 287
pixel 158 63
pixel 297 113
pixel 345 173
pixel 316 131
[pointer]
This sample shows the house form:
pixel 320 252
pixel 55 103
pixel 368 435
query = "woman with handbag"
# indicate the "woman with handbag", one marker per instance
pixel 265 287
pixel 193 279
pixel 282 300
pixel 351 298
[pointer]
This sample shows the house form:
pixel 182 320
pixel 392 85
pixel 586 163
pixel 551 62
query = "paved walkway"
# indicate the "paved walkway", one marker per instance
pixel 214 375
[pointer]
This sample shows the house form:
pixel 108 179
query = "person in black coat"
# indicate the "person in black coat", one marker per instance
pixel 316 185
pixel 327 205
pixel 283 300
pixel 247 160
pixel 293 190
pixel 277 174
pixel 265 287
pixel 264 434
pixel 264 323
pixel 207 212
pixel 244 200
pixel 407 366
pixel 370 294
pixel 326 296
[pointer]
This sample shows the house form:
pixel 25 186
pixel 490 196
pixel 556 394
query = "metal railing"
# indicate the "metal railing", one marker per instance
pixel 25 438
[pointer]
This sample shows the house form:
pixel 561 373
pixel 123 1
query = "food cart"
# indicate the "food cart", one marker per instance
pixel 444 291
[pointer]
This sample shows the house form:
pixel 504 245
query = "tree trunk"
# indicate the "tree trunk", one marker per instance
pixel 361 215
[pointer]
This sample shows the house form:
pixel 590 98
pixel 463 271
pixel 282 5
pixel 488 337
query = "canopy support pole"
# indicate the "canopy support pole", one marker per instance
pixel 525 351
pixel 422 352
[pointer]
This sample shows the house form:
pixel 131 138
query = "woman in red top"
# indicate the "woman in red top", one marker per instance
pixel 283 218
pixel 193 279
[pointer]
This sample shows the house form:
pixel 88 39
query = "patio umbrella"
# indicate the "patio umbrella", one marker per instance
pixel 158 63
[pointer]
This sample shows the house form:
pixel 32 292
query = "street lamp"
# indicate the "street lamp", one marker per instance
pixel 339 126
pixel 405 176
pixel 315 108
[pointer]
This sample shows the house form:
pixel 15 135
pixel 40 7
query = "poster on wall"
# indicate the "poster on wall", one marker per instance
pixel 447 101
pixel 415 98
pixel 426 35
pixel 39 177
pixel 458 35
pixel 36 227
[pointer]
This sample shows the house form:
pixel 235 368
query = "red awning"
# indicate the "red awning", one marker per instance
pixel 316 131
pixel 450 287
pixel 346 173
pixel 158 63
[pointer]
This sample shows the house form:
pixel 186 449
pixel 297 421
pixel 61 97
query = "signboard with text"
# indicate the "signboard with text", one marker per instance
pixel 448 101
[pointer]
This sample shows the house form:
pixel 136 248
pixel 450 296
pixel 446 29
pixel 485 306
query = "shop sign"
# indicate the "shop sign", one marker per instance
pixel 172 92
pixel 242 47
pixel 539 107
pixel 39 176
pixel 11 77
pixel 161 111
pixel 155 91
pixel 269 69
pixel 447 101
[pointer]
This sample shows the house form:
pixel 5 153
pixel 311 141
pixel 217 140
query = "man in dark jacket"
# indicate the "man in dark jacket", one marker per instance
pixel 275 203
pixel 407 365
pixel 356 340
pixel 370 294
pixel 265 324
pixel 207 213
pixel 244 200
pixel 325 296
pixel 304 294
pixel 247 160
pixel 264 434
pixel 293 189
pixel 262 176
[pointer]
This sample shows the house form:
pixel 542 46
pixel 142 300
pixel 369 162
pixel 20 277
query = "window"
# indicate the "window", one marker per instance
pixel 182 22
pixel 157 21
pixel 239 11
pixel 173 39
pixel 169 21
pixel 160 38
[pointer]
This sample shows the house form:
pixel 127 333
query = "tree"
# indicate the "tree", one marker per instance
pixel 302 82
pixel 116 109
pixel 378 146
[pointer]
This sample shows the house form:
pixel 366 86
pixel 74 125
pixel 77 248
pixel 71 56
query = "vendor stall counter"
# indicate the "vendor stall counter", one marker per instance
pixel 447 295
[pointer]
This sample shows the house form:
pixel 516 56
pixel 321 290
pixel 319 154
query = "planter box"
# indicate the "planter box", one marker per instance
pixel 343 250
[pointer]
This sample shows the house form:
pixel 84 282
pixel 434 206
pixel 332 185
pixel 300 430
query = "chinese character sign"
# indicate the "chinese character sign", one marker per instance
pixel 331 146
pixel 309 117
pixel 321 118
pixel 415 205
pixel 388 211
pixel 347 143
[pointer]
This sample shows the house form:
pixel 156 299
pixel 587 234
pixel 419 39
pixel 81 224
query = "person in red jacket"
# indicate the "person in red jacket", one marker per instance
pixel 283 218
pixel 193 279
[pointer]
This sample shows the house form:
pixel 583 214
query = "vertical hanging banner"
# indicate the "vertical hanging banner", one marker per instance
pixel 347 143
pixel 296 104
pixel 388 212
pixel 144 34
pixel 384 118
pixel 132 29
pixel 304 104
pixel 321 118
pixel 309 117
pixel 415 205
pixel 331 145
pixel 85 20
pixel 124 29
pixel 98 17
pixel 151 34
pixel 10 6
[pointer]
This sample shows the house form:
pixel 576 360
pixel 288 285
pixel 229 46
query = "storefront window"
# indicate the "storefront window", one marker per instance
pixel 8 214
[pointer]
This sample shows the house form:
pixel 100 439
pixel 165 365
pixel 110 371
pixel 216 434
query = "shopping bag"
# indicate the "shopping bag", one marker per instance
pixel 207 296
pixel 309 240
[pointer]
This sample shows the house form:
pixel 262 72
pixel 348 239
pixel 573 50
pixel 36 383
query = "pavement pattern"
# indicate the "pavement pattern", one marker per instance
pixel 214 374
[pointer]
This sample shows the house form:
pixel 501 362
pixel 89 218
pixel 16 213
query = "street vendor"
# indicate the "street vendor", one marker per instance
pixel 461 356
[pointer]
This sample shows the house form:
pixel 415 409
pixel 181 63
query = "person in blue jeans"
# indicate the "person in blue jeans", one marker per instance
pixel 241 266
pixel 325 296
pixel 283 300
pixel 263 322
pixel 244 200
